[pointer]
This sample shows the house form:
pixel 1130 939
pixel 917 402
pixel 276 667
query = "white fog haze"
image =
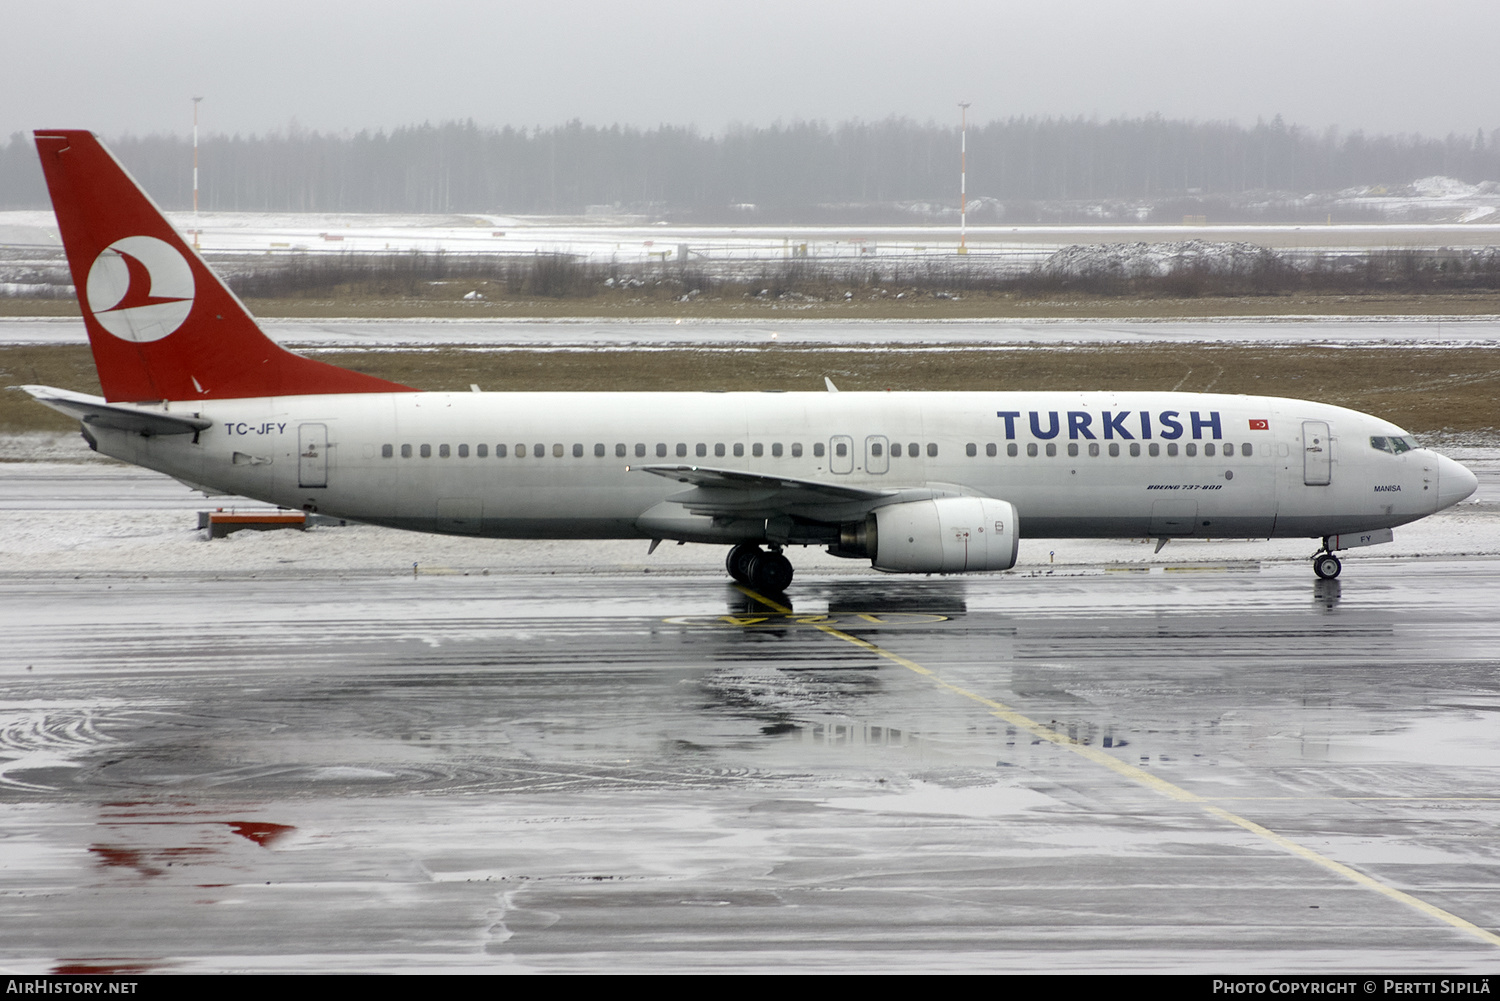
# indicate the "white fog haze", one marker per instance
pixel 1384 66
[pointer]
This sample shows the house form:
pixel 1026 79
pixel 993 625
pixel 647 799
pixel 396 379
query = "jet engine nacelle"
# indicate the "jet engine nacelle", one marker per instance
pixel 947 535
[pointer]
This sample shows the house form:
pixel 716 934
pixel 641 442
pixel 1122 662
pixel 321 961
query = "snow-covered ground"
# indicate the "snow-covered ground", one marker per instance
pixel 1427 197
pixel 1153 260
pixel 275 233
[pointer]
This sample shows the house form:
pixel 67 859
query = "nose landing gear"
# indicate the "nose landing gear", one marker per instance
pixel 1326 565
pixel 757 568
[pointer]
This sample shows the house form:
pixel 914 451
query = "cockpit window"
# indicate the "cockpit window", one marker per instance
pixel 1394 444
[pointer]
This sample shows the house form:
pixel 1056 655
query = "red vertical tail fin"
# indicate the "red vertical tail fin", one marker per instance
pixel 161 324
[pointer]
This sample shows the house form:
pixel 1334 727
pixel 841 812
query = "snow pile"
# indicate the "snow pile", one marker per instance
pixel 1154 260
pixel 1446 187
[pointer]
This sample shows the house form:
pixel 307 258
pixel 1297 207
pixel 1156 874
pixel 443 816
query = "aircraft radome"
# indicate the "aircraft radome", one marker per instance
pixel 913 482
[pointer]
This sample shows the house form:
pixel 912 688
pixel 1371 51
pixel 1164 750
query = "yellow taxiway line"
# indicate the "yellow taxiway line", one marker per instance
pixel 1142 777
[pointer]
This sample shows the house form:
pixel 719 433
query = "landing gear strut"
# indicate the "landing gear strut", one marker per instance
pixel 762 570
pixel 1326 566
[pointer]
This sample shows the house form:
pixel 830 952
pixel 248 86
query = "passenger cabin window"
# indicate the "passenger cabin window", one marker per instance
pixel 817 450
pixel 1012 450
pixel 1245 449
pixel 1229 450
pixel 932 450
pixel 1051 449
pixel 577 450
pixel 875 449
pixel 796 450
pixel 1208 448
pixel 557 450
pixel 620 450
pixel 739 449
pixel 443 452
pixel 776 450
pixel 1191 449
pixel 463 451
pixel 1031 449
pixel 539 450
pixel 759 450
pixel 841 450
pixel 386 451
pixel 483 451
pixel 1154 449
pixel 1094 449
pixel 500 451
pixel 1114 450
pixel 1072 448
pixel 599 449
pixel 971 450
pixel 990 450
pixel 914 450
pixel 719 450
pixel 1135 449
pixel 426 451
pixel 406 451
pixel 661 450
pixel 640 450
pixel 1172 449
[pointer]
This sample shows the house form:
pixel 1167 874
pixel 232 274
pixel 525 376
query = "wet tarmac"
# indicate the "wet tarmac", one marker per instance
pixel 1210 769
pixel 595 334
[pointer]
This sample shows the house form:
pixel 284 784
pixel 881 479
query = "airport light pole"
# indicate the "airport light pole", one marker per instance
pixel 196 230
pixel 963 180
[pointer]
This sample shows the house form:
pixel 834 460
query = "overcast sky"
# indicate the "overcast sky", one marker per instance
pixel 122 66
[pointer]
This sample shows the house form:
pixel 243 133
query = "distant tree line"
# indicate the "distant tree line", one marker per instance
pixel 780 171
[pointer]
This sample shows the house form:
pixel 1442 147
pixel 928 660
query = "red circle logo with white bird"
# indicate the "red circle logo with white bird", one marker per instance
pixel 140 288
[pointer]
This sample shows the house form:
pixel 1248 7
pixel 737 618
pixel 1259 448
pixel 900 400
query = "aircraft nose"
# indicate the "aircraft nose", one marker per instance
pixel 1455 482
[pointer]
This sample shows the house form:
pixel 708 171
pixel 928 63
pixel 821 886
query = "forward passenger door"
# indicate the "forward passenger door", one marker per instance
pixel 1317 454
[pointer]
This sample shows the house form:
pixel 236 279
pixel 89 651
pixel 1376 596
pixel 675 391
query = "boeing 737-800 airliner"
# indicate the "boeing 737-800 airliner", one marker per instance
pixel 913 482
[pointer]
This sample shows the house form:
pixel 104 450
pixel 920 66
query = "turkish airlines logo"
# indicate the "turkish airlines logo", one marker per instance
pixel 140 288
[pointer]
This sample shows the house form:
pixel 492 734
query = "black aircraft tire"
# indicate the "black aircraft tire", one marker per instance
pixel 738 561
pixel 1327 566
pixel 770 572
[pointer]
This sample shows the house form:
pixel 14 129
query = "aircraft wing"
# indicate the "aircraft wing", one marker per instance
pixel 120 416
pixel 732 492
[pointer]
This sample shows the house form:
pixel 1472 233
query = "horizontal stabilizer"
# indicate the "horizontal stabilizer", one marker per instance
pixel 97 412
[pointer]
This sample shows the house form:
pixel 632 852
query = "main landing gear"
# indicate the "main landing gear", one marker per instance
pixel 1326 565
pixel 757 568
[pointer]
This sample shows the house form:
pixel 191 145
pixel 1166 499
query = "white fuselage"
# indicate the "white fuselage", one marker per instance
pixel 559 465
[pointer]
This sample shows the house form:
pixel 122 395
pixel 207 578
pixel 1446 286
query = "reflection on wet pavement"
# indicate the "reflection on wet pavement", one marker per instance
pixel 595 771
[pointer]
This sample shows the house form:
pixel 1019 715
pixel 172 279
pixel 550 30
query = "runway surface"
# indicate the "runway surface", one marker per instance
pixel 269 761
pixel 568 334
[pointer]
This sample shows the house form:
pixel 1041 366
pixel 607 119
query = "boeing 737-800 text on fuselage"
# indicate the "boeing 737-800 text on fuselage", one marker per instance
pixel 913 482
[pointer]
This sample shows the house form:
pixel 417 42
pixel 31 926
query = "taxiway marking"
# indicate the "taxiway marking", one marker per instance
pixel 1145 778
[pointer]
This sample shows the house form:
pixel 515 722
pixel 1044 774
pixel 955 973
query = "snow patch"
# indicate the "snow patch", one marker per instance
pixel 1154 260
pixel 1438 186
